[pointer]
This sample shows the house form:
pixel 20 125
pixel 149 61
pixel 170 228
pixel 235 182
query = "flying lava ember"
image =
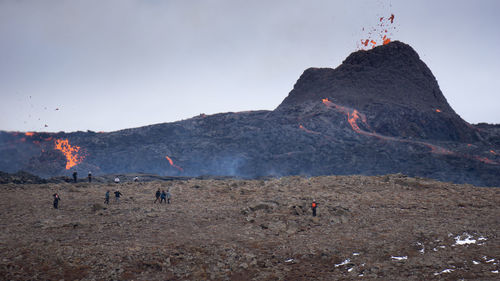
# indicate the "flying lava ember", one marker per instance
pixel 379 35
pixel 71 152
pixel 172 164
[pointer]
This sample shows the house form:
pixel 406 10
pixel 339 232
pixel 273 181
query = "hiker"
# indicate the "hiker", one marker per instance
pixel 117 180
pixel 117 196
pixel 56 200
pixel 157 194
pixel 168 196
pixel 106 198
pixel 163 197
pixel 90 176
pixel 313 207
pixel 75 176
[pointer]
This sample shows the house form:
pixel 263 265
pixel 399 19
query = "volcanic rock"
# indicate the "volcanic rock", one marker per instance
pixel 392 86
pixel 380 112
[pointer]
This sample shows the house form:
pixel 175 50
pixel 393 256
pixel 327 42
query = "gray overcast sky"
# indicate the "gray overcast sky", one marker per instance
pixel 109 65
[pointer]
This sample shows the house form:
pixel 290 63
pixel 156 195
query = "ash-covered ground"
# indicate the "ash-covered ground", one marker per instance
pixel 368 228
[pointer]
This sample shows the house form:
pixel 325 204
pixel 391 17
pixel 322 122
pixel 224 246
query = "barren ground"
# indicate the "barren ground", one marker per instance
pixel 368 228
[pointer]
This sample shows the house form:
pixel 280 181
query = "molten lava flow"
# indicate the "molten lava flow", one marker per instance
pixel 438 110
pixel 307 130
pixel 70 152
pixel 29 134
pixel 485 160
pixel 353 116
pixel 172 164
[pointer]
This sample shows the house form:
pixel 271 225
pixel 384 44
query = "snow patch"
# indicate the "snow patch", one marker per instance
pixel 494 271
pixel 289 260
pixel 350 269
pixel 444 271
pixel 399 258
pixel 355 254
pixel 423 247
pixel 475 262
pixel 468 239
pixel 343 263
pixel 492 260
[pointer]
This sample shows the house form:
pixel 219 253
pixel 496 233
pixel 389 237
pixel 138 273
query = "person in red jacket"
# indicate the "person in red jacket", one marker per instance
pixel 314 205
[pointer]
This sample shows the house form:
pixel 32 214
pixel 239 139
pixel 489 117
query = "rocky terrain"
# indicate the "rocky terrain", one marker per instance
pixel 389 227
pixel 380 112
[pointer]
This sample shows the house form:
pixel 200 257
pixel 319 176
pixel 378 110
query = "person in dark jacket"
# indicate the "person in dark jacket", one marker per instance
pixel 157 194
pixel 56 200
pixel 117 196
pixel 75 176
pixel 163 197
pixel 90 176
pixel 106 197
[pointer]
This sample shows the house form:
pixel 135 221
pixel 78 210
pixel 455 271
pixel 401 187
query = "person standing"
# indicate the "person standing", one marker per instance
pixel 75 176
pixel 90 176
pixel 157 195
pixel 314 205
pixel 117 196
pixel 56 200
pixel 168 196
pixel 163 197
pixel 117 180
pixel 106 197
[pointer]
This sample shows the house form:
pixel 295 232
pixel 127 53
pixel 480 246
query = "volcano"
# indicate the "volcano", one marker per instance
pixel 380 112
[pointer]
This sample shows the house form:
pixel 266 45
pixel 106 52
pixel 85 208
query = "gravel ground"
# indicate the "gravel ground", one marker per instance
pixel 368 228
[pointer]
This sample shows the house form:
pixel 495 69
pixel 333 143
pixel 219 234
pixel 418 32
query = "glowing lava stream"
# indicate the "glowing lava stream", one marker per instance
pixel 70 152
pixel 172 164
pixel 308 131
pixel 353 116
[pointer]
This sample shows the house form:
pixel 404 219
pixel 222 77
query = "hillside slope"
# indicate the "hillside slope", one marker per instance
pixel 380 112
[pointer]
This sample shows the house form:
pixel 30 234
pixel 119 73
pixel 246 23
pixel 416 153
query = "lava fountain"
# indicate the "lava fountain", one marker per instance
pixel 71 152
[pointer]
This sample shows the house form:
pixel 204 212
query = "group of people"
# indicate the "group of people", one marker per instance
pixel 160 195
pixel 117 197
pixel 163 196
pixel 75 176
pixel 89 176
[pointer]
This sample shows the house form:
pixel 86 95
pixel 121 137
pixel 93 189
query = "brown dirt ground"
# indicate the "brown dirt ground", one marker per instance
pixel 252 230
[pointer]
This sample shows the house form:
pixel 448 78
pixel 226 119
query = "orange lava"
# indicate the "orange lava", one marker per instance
pixel 385 40
pixel 307 130
pixel 438 110
pixel 172 164
pixel 378 35
pixel 29 134
pixel 70 152
pixel 353 116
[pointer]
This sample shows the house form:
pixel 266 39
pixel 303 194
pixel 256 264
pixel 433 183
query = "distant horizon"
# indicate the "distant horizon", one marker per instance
pixel 114 65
